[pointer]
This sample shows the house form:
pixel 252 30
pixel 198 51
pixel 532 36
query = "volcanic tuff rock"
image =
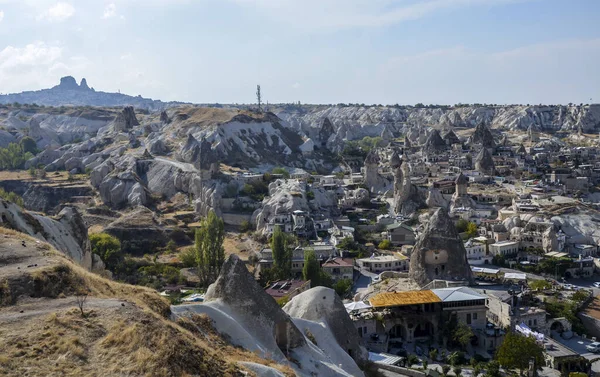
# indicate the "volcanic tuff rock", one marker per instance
pixel 434 143
pixel 407 198
pixel 67 232
pixel 125 121
pixel 286 196
pixel 482 136
pixel 236 287
pixel 323 305
pixel 373 181
pixel 484 163
pixel 451 138
pixel 439 253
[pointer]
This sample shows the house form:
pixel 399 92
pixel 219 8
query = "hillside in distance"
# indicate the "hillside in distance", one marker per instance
pixel 68 92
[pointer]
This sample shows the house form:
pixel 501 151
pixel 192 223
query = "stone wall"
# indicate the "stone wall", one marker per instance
pixel 401 371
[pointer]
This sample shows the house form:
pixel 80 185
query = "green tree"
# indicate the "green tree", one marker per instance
pixel 471 230
pixel 385 245
pixel 210 253
pixel 107 247
pixel 476 370
pixel 457 371
pixel 461 225
pixel 516 351
pixel 493 369
pixel 28 145
pixel 312 269
pixel 462 335
pixel 281 256
pixel 188 257
pixel 342 287
pixel 282 171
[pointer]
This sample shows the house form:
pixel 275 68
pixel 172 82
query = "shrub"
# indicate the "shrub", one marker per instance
pixel 282 171
pixel 342 287
pixel 245 226
pixel 171 246
pixel 385 245
pixel 107 247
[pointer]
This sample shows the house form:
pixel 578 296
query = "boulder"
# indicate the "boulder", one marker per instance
pixel 323 305
pixel 439 253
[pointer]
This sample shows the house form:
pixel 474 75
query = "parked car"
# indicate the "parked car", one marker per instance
pixel 593 347
pixel 596 284
pixel 568 287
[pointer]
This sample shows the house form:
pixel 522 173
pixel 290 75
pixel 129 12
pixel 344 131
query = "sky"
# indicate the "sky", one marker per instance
pixel 312 51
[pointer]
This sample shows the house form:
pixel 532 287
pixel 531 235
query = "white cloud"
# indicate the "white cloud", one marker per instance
pixel 37 65
pixel 296 85
pixel 110 11
pixel 1 15
pixel 57 13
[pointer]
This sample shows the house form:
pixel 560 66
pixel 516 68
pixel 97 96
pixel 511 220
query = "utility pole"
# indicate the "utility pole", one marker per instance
pixel 258 97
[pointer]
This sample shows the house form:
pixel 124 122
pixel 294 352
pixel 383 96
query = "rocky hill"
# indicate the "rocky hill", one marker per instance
pixel 355 122
pixel 119 330
pixel 68 92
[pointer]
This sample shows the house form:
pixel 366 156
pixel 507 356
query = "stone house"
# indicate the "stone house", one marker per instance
pixel 339 268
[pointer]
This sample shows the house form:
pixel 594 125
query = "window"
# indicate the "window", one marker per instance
pixel 468 318
pixel 474 316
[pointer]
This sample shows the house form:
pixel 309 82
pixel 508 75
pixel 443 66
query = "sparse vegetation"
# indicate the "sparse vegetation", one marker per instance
pixel 11 197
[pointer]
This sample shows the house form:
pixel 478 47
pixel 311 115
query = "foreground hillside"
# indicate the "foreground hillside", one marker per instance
pixel 124 329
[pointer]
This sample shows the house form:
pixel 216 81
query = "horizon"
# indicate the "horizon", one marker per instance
pixel 387 52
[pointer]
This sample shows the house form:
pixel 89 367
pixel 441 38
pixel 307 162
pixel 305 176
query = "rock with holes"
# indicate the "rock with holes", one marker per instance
pixel 439 254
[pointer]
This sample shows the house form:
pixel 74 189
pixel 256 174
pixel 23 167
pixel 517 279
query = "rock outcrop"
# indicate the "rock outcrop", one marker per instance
pixel 323 305
pixel 407 198
pixel 67 232
pixel 125 121
pixel 373 181
pixel 435 143
pixel 237 288
pixel 450 138
pixel 139 231
pixel 482 137
pixel 439 253
pixel 484 163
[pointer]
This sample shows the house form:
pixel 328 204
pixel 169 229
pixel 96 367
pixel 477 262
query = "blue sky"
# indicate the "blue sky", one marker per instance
pixel 313 51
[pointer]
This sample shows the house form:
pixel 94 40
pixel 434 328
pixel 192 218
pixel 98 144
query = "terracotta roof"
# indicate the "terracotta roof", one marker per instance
pixel 339 262
pixel 404 298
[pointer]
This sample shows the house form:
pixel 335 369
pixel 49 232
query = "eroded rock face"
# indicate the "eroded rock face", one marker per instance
pixel 434 143
pixel 139 231
pixel 484 163
pixel 236 287
pixel 407 198
pixel 125 121
pixel 451 138
pixel 439 253
pixel 482 136
pixel 67 233
pixel 323 305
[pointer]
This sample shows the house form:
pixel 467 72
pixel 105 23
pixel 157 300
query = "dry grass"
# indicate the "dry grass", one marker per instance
pixel 202 326
pixel 126 329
